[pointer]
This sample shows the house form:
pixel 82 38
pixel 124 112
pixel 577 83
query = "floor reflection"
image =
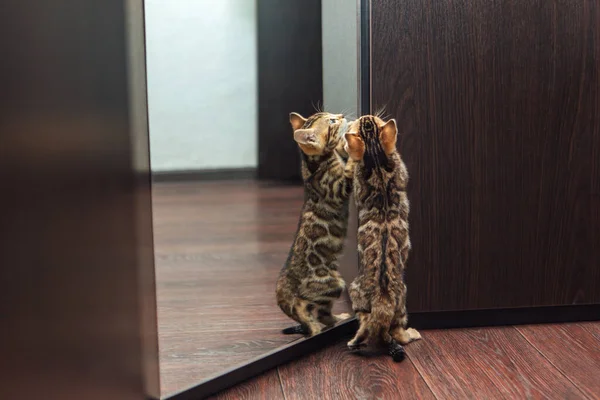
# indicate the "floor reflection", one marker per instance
pixel 219 248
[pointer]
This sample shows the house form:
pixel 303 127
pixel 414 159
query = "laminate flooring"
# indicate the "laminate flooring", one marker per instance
pixel 524 362
pixel 219 247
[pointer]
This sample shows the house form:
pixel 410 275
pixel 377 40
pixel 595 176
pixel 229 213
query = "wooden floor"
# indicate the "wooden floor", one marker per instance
pixel 524 362
pixel 219 249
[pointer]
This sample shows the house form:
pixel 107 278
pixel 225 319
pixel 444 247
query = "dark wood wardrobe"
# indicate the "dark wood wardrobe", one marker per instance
pixel 498 108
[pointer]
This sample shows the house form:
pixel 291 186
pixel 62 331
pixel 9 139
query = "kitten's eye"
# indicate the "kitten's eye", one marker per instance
pixel 332 120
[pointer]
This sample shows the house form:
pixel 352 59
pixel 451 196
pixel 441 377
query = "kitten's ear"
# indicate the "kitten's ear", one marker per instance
pixel 356 147
pixel 305 136
pixel 297 120
pixel 388 134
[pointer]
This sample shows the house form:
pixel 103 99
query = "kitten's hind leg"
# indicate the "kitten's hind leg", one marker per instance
pixel 399 331
pixel 359 340
pixel 295 330
pixel 328 319
pixel 405 336
pixel 286 303
pixel 303 313
pixel 396 350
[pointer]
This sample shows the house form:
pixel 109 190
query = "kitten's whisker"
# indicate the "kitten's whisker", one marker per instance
pixel 383 115
pixel 381 111
pixel 377 112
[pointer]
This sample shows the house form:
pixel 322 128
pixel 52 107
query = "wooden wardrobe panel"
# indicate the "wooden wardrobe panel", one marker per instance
pixel 77 305
pixel 497 105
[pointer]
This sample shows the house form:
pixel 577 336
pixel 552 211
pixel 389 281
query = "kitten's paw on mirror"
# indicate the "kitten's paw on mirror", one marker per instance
pixel 342 317
pixel 295 330
pixel 336 319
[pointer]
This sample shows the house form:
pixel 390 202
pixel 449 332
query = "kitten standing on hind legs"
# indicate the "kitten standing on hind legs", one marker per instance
pixel 309 282
pixel 378 294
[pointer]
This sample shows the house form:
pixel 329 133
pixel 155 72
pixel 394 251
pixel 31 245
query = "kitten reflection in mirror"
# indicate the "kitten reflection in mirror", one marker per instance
pixel 309 282
pixel 378 294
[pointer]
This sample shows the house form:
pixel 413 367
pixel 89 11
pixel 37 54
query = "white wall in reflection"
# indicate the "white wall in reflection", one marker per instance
pixel 202 83
pixel 340 55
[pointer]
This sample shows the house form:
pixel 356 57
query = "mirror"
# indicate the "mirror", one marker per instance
pixel 223 77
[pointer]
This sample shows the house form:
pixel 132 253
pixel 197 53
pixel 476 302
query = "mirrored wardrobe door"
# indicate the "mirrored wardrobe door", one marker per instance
pixel 228 191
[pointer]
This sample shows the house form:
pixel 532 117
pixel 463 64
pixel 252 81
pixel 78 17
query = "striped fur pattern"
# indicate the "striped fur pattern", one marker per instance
pixel 379 293
pixel 309 282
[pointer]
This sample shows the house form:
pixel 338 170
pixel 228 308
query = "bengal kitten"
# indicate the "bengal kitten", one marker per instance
pixel 309 281
pixel 378 294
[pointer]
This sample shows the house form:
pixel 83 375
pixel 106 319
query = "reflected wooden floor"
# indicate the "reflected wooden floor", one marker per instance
pixel 219 248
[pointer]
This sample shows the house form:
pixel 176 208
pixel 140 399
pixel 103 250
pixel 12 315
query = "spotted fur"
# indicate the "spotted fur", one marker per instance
pixel 309 281
pixel 379 293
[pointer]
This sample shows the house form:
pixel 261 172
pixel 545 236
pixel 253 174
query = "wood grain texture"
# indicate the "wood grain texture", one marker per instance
pixel 490 363
pixel 593 328
pixel 219 249
pixel 497 107
pixel 487 363
pixel 187 359
pixel 263 387
pixel 335 373
pixel 573 349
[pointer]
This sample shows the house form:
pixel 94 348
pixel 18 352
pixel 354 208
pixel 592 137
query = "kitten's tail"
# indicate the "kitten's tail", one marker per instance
pixel 376 327
pixel 382 317
pixel 380 321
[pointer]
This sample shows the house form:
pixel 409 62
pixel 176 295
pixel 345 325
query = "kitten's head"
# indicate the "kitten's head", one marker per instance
pixel 371 135
pixel 318 134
